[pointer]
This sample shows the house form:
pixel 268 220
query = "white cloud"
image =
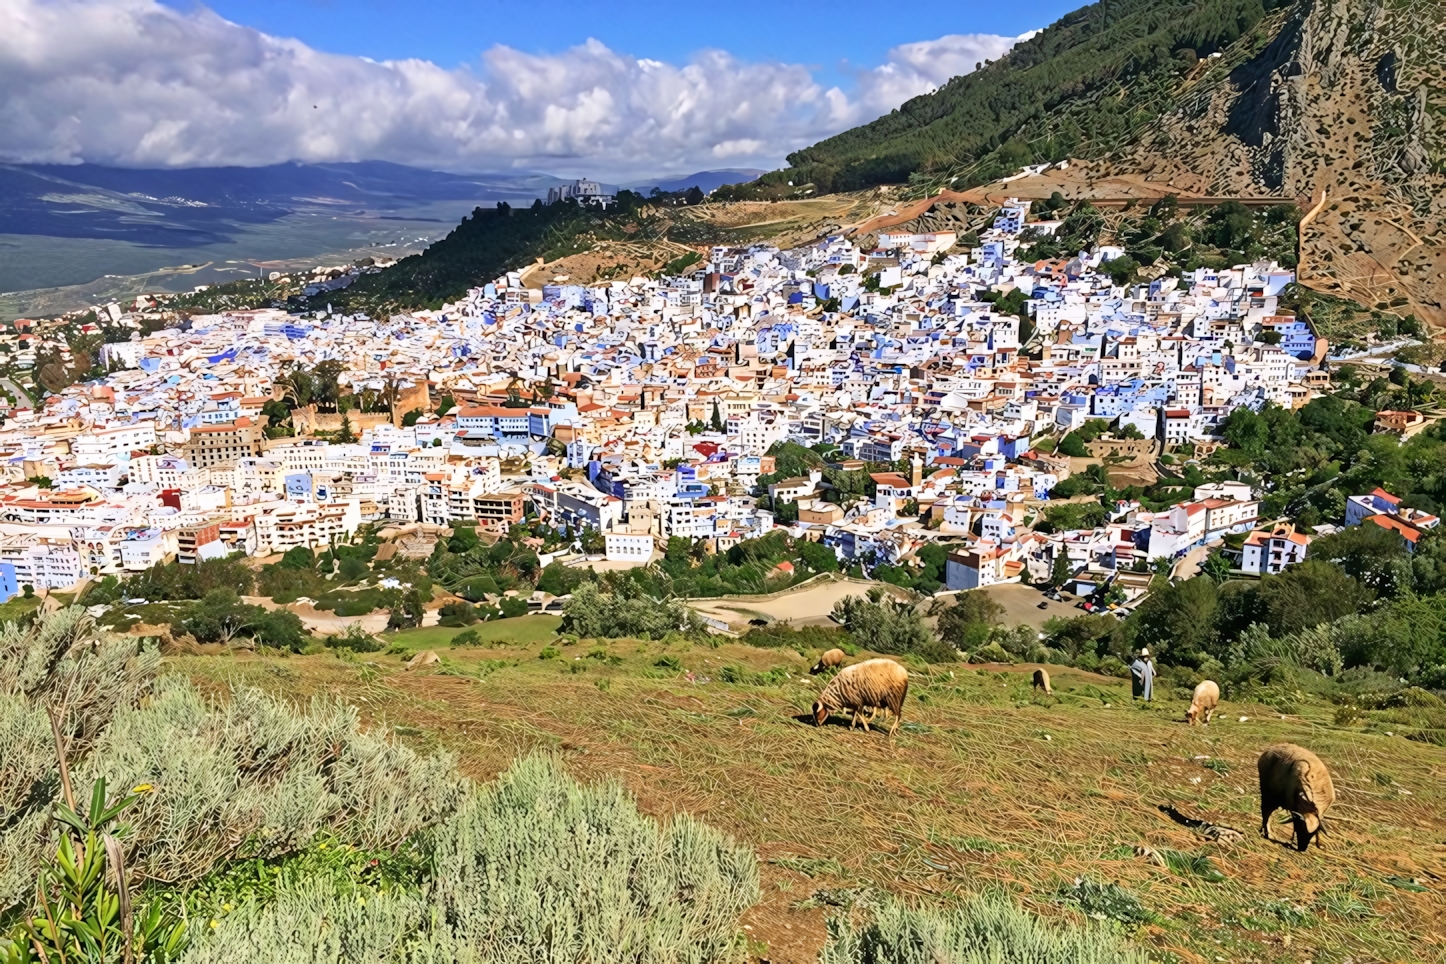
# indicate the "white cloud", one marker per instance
pixel 918 68
pixel 136 83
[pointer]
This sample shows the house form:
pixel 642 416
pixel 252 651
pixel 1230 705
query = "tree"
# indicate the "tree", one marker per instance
pixel 818 557
pixel 717 421
pixel 298 557
pixel 353 567
pixel 1060 571
pixel 1377 557
pixel 325 381
pixel 412 417
pixel 346 436
pixel 1180 620
pixel 278 628
pixel 408 611
pixel 1308 594
pixel 219 617
pixel 601 615
pixel 1073 446
pixel 889 626
pixel 968 623
pixel 297 385
pixel 1121 270
pixel 1217 567
pixel 593 541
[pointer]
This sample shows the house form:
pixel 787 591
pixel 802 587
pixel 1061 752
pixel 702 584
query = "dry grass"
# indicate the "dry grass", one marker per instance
pixel 984 785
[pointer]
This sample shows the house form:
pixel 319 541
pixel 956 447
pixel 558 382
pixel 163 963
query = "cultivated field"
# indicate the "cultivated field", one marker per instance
pixel 986 786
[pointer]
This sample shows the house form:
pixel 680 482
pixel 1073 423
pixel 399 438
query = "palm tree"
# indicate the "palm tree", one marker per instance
pixel 1217 567
pixel 296 385
pixel 391 391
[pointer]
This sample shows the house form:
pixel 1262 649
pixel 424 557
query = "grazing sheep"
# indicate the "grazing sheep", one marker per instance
pixel 1041 681
pixel 832 659
pixel 1294 779
pixel 1206 698
pixel 872 684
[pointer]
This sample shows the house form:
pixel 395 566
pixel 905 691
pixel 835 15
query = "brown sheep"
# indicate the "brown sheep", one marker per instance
pixel 874 683
pixel 1293 778
pixel 1041 681
pixel 1206 698
pixel 832 659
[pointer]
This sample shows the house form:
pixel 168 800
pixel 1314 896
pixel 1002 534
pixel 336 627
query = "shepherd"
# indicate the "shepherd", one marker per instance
pixel 1142 672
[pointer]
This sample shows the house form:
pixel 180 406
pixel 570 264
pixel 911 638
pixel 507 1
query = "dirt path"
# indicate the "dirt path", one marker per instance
pixel 326 623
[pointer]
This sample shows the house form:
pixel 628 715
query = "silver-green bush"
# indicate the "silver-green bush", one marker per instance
pixel 315 925
pixel 984 930
pixel 59 662
pixel 535 868
pixel 256 777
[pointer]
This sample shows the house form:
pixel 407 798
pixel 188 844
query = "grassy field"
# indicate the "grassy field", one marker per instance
pixel 519 631
pixel 987 785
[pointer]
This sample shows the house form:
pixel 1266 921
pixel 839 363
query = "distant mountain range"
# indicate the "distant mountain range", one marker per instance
pixel 129 230
pixel 705 181
pixel 201 206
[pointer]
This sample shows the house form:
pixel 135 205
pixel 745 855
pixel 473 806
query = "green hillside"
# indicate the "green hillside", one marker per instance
pixel 1083 87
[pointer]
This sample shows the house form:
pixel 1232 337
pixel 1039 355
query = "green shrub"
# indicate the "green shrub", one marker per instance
pixel 1106 902
pixel 456 614
pixel 356 640
pixel 983 930
pixel 801 638
pixel 601 615
pixel 549 652
pixel 513 606
pixel 1113 666
pixel 991 653
pixel 353 568
pixel 468 637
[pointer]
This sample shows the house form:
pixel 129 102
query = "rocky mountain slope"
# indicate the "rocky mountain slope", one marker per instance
pixel 1334 104
pixel 1343 105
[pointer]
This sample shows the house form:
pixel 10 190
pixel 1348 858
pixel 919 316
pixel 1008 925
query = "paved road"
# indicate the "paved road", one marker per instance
pixel 21 395
pixel 1189 564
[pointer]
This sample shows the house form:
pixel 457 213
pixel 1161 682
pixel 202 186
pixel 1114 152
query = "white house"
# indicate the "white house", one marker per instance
pixel 628 547
pixel 1268 551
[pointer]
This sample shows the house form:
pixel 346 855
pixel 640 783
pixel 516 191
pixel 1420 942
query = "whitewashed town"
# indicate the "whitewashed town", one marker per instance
pixel 655 408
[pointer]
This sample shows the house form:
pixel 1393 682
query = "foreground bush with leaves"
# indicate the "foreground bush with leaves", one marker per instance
pixel 83 905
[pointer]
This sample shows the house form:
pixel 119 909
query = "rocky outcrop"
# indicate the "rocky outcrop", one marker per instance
pixel 1341 100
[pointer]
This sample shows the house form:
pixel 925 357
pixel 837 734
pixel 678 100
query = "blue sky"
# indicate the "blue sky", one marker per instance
pixel 828 37
pixel 618 92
